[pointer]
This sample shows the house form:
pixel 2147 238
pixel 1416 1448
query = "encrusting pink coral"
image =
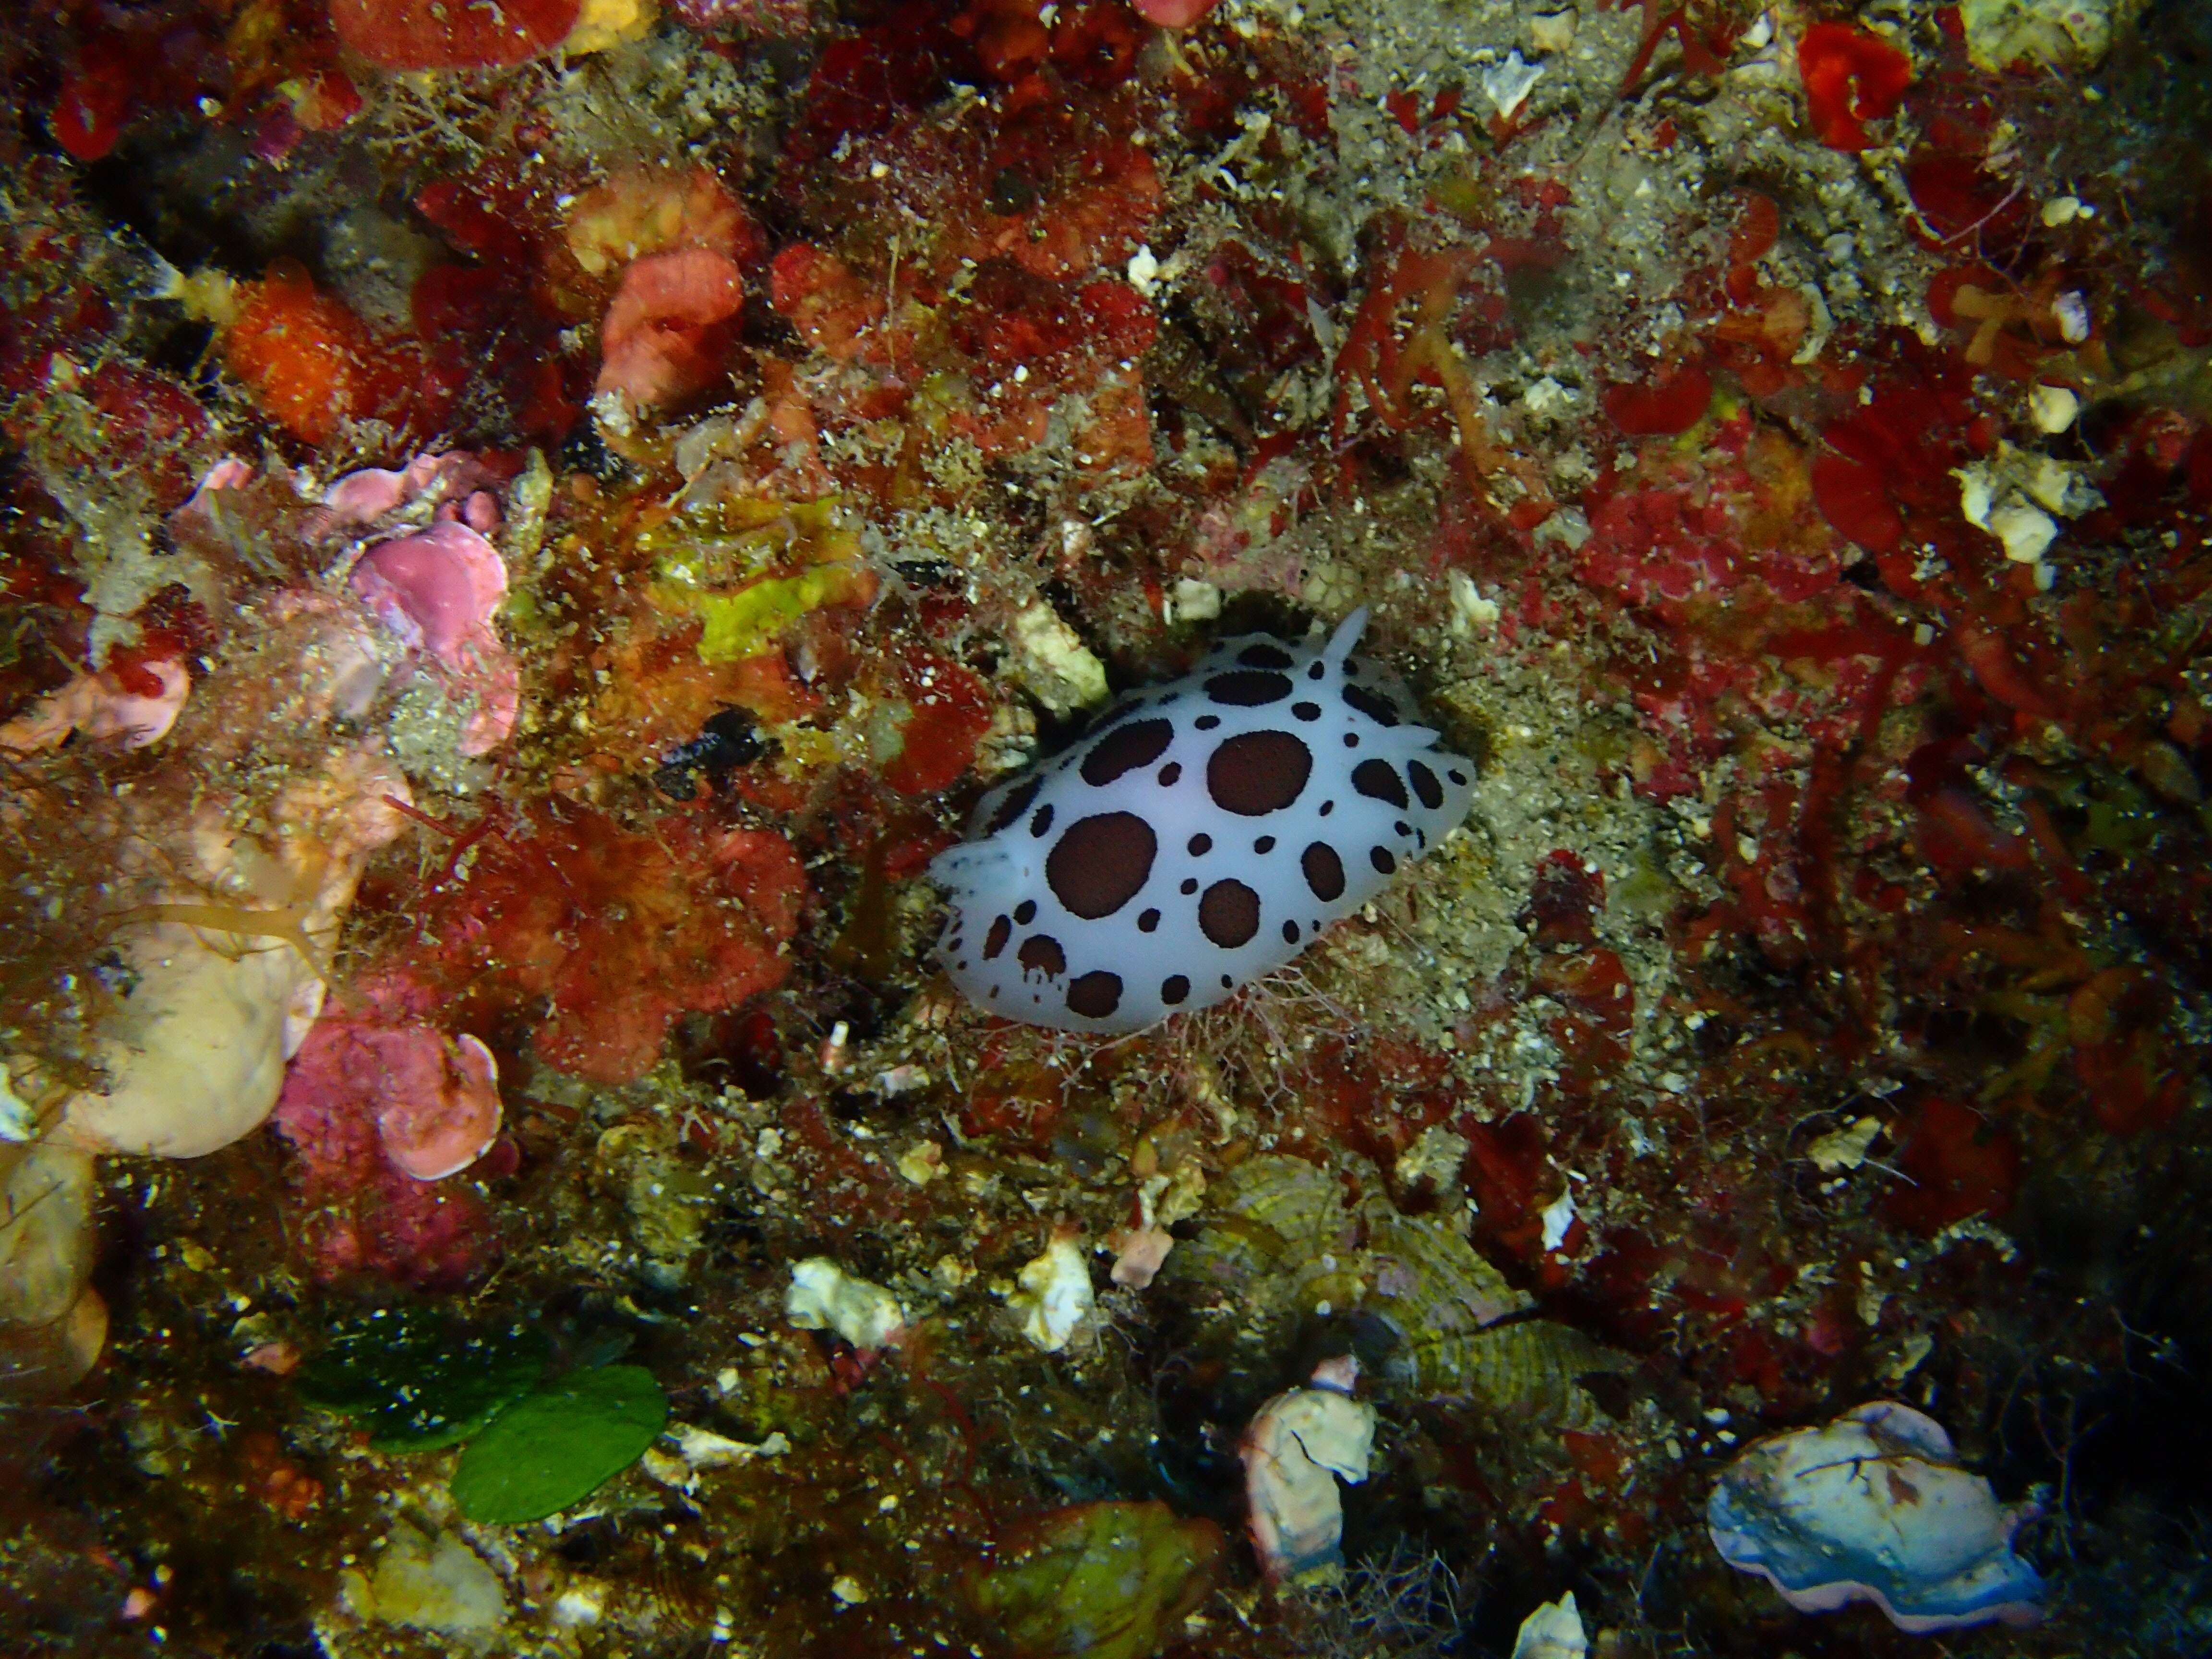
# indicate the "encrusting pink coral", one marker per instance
pixel 438 590
pixel 379 1107
pixel 432 1101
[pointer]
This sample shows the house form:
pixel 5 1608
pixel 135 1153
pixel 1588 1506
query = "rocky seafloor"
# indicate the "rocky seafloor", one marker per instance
pixel 526 529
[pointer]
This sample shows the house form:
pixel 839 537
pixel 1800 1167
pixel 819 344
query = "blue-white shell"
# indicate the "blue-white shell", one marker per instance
pixel 1197 839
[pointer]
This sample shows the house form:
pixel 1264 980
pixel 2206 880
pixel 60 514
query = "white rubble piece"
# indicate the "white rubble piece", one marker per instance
pixel 825 1297
pixel 1055 1293
pixel 1554 1631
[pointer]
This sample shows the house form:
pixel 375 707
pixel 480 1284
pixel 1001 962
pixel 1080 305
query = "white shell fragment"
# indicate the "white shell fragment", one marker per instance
pixel 1845 1148
pixel 1297 1447
pixel 1553 30
pixel 825 1297
pixel 2013 494
pixel 1554 1631
pixel 1507 85
pixel 1055 1293
pixel 1200 839
pixel 2053 407
pixel 1872 1508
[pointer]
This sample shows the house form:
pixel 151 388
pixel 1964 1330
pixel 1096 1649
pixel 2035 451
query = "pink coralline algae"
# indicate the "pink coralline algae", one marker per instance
pixel 1173 13
pixel 438 590
pixel 379 1106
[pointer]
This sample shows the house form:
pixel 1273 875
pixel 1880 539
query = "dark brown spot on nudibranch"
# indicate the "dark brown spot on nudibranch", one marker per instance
pixel 1041 823
pixel 996 940
pixel 1247 688
pixel 1324 872
pixel 1013 806
pixel 1174 988
pixel 1040 954
pixel 1383 859
pixel 1379 780
pixel 1257 773
pixel 1095 994
pixel 1290 933
pixel 1229 914
pixel 1170 774
pixel 1099 863
pixel 1426 785
pixel 1306 711
pixel 1373 704
pixel 1148 922
pixel 1200 845
pixel 1025 912
pixel 1125 749
pixel 1264 655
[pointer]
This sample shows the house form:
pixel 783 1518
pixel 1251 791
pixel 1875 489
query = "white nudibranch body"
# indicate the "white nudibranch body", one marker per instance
pixel 1197 839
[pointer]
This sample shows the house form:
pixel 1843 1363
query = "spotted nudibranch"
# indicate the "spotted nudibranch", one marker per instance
pixel 1198 839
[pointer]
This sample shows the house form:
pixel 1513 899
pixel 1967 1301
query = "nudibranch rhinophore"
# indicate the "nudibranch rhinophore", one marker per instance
pixel 1198 838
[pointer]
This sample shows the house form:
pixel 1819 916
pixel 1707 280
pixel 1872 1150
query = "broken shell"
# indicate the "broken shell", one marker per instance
pixel 1298 1446
pixel 1872 1508
pixel 1554 1631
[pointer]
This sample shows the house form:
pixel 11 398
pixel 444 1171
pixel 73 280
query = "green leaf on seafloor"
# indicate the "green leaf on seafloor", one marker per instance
pixel 417 1380
pixel 557 1446
pixel 1098 1581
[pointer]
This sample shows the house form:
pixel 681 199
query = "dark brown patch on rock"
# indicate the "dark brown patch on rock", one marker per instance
pixel 1095 994
pixel 1257 773
pixel 1229 914
pixel 1324 872
pixel 1125 749
pixel 1099 863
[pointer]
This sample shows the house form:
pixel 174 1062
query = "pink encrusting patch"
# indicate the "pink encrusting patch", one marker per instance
pixel 1173 13
pixel 439 1111
pixel 664 336
pixel 378 1106
pixel 438 590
